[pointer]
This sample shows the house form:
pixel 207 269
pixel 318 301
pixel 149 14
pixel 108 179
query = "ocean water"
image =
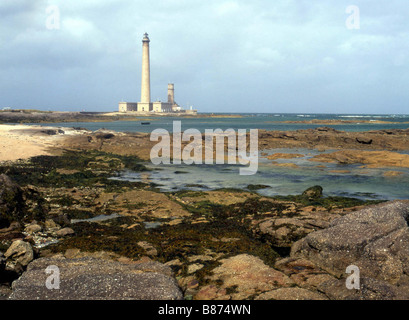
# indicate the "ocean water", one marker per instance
pixel 336 180
pixel 262 121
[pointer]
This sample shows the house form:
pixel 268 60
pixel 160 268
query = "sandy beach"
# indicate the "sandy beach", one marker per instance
pixel 23 141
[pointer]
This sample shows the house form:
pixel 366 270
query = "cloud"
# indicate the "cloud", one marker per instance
pixel 227 8
pixel 270 56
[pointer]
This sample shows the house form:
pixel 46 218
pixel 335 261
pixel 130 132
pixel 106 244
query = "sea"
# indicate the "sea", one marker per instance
pixel 261 121
pixel 336 179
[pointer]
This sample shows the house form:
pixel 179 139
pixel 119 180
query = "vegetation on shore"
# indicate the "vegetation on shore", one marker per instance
pixel 73 169
pixel 204 232
pixel 79 185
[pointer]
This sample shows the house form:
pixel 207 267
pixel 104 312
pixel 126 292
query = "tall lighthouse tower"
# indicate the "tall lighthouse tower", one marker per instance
pixel 145 105
pixel 146 82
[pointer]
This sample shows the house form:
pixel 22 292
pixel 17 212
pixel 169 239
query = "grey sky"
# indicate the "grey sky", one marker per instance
pixel 222 56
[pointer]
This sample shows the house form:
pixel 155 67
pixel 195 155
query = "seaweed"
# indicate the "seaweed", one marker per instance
pixel 187 193
pixel 89 168
pixel 253 187
pixel 172 242
pixel 78 214
pixel 250 207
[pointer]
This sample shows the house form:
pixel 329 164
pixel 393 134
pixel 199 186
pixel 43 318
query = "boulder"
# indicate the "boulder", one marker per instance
pixel 105 136
pixel 13 227
pixel 375 239
pixel 64 232
pixel 283 231
pixel 364 140
pixel 246 276
pixel 326 129
pixel 12 205
pixel 314 192
pixel 51 225
pixel 49 132
pixel 96 279
pixel 370 289
pixel 149 248
pixel 304 273
pixel 20 253
pixel 33 228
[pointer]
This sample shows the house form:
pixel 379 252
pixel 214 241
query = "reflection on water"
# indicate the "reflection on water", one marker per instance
pixel 145 178
pixel 337 180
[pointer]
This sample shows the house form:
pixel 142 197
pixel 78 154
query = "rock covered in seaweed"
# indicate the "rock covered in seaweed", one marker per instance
pixel 12 205
pixel 314 192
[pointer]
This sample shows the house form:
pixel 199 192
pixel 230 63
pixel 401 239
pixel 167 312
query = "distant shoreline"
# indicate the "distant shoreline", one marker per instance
pixel 43 117
pixel 339 122
pixel 35 116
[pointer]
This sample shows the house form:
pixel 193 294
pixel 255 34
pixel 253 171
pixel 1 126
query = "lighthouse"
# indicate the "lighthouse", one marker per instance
pixel 145 104
pixel 146 73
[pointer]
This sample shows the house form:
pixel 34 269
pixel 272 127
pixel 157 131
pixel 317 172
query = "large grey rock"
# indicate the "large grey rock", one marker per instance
pixel 97 279
pixel 376 239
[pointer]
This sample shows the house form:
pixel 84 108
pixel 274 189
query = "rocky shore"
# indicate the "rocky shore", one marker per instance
pixel 325 138
pixel 268 249
pixel 113 239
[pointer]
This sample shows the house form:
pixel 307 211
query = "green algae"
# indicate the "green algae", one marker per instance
pixel 63 200
pixel 254 187
pixel 134 206
pixel 78 214
pixel 250 207
pixel 172 242
pixel 195 185
pixel 236 190
pixel 21 205
pixel 89 169
pixel 94 237
pixel 187 193
pixel 225 232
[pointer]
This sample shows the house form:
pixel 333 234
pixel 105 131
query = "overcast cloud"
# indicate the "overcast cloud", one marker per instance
pixel 222 56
